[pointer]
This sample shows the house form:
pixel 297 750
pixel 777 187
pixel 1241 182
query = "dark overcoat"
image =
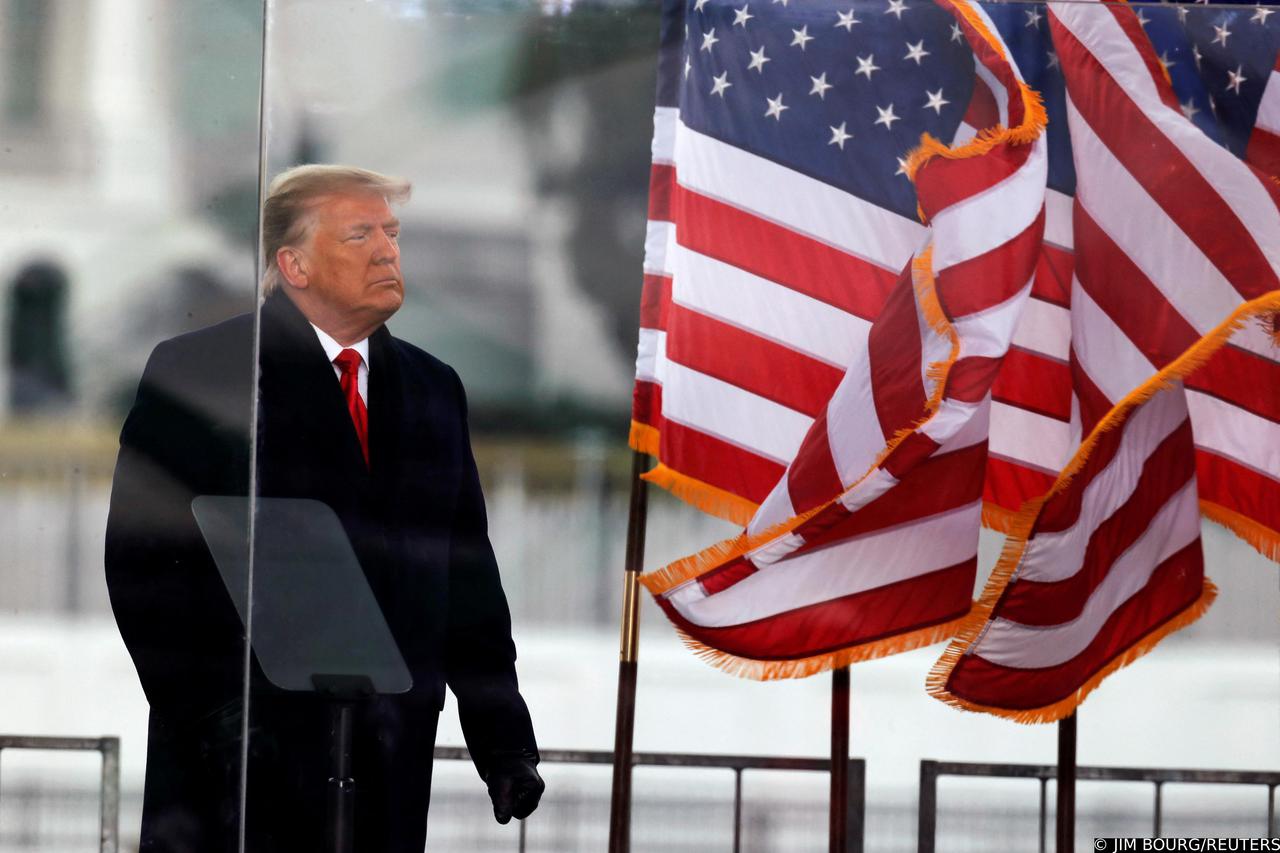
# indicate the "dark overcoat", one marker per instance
pixel 415 516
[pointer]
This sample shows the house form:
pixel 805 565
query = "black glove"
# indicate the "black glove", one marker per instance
pixel 514 786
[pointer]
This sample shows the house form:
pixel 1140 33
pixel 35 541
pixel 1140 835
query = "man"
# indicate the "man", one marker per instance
pixel 376 429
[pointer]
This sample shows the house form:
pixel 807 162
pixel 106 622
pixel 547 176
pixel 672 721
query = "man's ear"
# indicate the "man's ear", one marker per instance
pixel 293 267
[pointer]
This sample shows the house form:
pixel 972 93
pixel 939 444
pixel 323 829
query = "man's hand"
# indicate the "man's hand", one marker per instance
pixel 514 787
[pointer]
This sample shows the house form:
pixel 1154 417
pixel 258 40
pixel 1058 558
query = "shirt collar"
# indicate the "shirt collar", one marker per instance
pixel 332 347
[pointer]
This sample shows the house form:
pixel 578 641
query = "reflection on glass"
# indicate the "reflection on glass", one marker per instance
pixel 117 214
pixel 187 434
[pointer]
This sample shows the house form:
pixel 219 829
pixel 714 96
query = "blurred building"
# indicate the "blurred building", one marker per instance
pixel 129 170
pixel 103 248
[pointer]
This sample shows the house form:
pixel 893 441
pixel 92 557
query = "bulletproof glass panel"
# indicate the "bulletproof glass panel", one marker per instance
pixel 128 173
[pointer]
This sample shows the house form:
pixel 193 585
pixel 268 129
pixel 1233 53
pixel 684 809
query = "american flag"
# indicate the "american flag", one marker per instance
pixel 1173 366
pixel 815 362
pixel 1220 61
pixel 1111 565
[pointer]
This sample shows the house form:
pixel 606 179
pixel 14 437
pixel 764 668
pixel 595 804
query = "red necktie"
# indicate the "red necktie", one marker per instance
pixel 348 361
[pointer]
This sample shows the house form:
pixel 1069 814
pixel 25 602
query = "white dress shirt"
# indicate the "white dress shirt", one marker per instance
pixel 332 348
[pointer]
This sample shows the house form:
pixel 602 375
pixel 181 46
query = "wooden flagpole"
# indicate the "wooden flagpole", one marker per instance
pixel 1066 822
pixel 838 826
pixel 624 730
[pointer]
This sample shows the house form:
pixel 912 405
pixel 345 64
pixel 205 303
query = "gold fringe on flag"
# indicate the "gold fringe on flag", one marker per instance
pixel 668 577
pixel 987 139
pixel 997 518
pixel 1026 132
pixel 1271 322
pixel 1058 710
pixel 774 670
pixel 926 287
pixel 644 438
pixel 706 497
pixel 1263 539
pixel 1023 521
pixel 1032 125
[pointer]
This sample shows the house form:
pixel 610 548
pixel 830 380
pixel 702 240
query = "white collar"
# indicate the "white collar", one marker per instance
pixel 332 347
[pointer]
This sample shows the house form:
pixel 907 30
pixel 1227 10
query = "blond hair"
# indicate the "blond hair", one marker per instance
pixel 288 212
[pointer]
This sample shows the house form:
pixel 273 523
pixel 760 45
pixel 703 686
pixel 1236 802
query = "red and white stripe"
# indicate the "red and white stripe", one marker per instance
pixel 1135 222
pixel 760 284
pixel 1173 236
pixel 1264 141
pixel 1033 433
pixel 880 505
pixel 1173 233
pixel 1115 556
pixel 743 341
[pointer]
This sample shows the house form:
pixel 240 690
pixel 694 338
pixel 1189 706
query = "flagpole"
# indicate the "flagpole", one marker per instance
pixel 1066 821
pixel 839 820
pixel 624 730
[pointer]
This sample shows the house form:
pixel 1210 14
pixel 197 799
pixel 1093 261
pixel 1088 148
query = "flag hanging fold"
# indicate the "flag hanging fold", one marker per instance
pixel 786 377
pixel 1215 68
pixel 1173 366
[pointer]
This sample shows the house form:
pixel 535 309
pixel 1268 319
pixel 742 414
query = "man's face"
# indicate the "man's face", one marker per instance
pixel 354 258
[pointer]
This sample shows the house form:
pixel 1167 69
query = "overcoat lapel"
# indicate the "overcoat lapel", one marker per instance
pixel 386 415
pixel 301 396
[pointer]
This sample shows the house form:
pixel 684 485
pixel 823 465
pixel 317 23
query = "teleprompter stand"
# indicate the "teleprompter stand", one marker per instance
pixel 340 796
pixel 312 621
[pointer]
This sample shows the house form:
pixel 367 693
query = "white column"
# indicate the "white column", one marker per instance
pixel 133 120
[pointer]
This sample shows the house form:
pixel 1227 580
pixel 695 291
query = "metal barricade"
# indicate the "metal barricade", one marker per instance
pixel 109 807
pixel 855 803
pixel 1157 776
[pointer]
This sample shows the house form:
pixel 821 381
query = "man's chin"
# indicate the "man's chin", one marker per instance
pixel 390 299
